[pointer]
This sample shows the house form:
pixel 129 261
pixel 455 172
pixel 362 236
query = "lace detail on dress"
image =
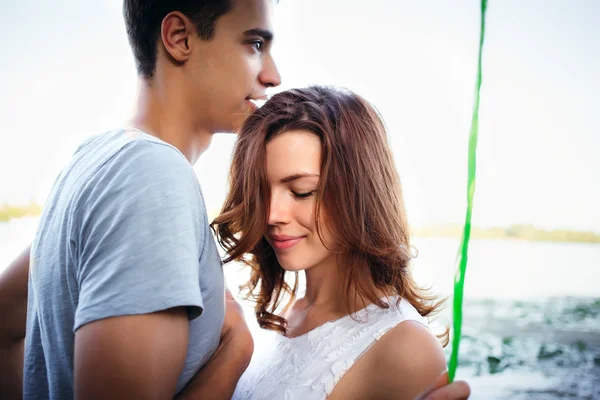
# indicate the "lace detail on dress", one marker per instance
pixel 309 366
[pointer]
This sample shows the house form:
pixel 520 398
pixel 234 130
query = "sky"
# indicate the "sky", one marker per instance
pixel 67 73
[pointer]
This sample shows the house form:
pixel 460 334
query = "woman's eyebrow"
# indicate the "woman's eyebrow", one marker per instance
pixel 298 176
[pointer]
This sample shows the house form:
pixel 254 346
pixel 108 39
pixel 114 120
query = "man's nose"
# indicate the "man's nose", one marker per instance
pixel 269 76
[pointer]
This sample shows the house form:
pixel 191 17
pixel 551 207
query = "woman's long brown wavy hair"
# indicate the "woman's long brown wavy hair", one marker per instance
pixel 359 191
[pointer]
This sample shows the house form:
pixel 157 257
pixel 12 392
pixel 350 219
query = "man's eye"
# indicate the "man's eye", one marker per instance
pixel 258 44
pixel 303 195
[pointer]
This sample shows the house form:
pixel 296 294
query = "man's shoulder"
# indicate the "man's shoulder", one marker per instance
pixel 134 156
pixel 126 167
pixel 133 149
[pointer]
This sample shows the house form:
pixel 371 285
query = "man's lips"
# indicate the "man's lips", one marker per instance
pixel 256 102
pixel 284 242
pixel 252 105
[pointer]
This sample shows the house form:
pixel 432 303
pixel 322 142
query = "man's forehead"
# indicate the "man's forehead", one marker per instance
pixel 249 18
pixel 251 14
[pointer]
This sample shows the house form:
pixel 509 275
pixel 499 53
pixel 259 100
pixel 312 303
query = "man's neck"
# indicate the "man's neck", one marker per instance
pixel 161 111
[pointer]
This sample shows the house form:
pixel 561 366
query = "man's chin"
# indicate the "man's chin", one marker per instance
pixel 238 122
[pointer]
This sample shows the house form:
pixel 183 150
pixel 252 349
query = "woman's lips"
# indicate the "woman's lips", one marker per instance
pixel 281 242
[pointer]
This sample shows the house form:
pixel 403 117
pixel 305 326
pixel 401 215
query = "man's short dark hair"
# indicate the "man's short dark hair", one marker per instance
pixel 143 19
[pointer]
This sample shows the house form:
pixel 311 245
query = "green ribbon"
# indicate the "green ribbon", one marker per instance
pixel 459 278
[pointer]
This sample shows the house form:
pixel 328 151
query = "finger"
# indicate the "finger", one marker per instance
pixel 439 382
pixel 458 390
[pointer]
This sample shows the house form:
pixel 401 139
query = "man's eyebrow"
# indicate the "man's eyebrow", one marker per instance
pixel 298 176
pixel 266 34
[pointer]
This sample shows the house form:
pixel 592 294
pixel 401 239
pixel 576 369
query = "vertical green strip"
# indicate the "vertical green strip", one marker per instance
pixel 459 278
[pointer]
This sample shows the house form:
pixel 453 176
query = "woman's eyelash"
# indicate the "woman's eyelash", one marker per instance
pixel 303 195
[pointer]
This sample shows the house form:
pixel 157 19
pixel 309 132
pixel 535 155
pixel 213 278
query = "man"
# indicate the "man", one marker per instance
pixel 126 289
pixel 124 293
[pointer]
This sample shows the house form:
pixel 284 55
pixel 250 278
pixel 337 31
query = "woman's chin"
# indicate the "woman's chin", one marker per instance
pixel 292 267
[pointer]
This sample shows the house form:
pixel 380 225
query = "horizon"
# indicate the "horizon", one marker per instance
pixel 433 226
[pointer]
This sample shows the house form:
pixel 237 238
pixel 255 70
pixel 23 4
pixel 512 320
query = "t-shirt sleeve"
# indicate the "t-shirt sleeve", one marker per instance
pixel 141 233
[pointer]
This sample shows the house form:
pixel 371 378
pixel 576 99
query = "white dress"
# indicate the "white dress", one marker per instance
pixel 308 367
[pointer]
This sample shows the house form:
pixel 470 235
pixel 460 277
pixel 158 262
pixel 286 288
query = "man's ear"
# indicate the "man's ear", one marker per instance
pixel 176 31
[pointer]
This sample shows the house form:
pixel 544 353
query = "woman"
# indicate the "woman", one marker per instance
pixel 314 188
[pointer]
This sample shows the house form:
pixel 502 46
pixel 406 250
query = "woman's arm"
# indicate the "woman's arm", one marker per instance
pixel 442 390
pixel 217 380
pixel 405 362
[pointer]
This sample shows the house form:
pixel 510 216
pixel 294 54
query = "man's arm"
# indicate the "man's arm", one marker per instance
pixel 13 313
pixel 131 357
pixel 218 379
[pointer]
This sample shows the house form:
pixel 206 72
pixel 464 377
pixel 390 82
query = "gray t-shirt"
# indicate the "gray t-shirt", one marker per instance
pixel 124 232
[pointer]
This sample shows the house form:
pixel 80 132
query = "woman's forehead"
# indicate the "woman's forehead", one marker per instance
pixel 293 152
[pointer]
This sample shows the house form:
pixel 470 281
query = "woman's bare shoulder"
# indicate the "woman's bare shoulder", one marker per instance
pixel 404 362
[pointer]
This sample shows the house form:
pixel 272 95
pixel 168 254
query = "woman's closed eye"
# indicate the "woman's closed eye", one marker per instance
pixel 303 195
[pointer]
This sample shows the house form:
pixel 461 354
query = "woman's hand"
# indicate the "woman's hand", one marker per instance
pixel 219 377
